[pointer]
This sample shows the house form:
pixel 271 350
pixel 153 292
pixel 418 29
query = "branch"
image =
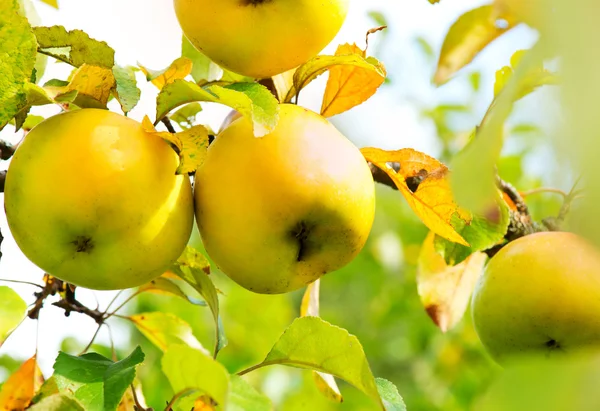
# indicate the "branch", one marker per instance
pixel 6 150
pixel 165 120
pixel 2 180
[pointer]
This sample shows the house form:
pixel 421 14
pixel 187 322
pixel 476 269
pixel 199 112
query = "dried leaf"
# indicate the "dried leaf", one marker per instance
pixel 424 182
pixel 470 34
pixel 178 70
pixel 18 391
pixel 348 85
pixel 446 290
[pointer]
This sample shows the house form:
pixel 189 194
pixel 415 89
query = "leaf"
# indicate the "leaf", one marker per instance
pixel 252 100
pixel 423 181
pixel 179 69
pixel 165 329
pixel 194 268
pixel 318 65
pixel 31 121
pixel 53 3
pixel 283 83
pixel 445 290
pixel 203 68
pixel 126 90
pixel 310 342
pixel 348 86
pixel 469 35
pixel 537 76
pixel 18 391
pixel 392 400
pixel 186 367
pixel 58 402
pixel 186 115
pixel 17 60
pixel 243 397
pixel 12 312
pixel 162 285
pixel 74 47
pixel 92 85
pixel 191 145
pixel 482 233
pixel 310 307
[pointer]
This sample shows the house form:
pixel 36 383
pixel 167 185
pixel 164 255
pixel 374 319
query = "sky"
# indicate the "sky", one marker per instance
pixel 146 31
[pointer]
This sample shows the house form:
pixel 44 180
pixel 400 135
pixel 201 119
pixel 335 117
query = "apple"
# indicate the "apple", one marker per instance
pixel 539 295
pixel 93 199
pixel 260 38
pixel 276 213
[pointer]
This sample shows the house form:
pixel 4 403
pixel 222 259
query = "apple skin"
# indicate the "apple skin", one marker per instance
pixel 277 212
pixel 260 38
pixel 93 199
pixel 539 295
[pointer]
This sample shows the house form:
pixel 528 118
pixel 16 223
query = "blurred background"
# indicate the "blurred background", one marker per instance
pixel 375 297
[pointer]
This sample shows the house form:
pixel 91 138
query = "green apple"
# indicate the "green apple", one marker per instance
pixel 539 295
pixel 276 213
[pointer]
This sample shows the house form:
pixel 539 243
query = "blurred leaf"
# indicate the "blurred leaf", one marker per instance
pixel 35 96
pixel 318 65
pixel 423 181
pixel 310 307
pixel 165 329
pixel 194 268
pixel 95 381
pixel 191 145
pixel 425 47
pixel 243 397
pixel 203 68
pixel 537 76
pixel 12 311
pixel 475 80
pixel 162 285
pixel 179 69
pixel 58 402
pixel 325 348
pixel 186 368
pixel 18 391
pixel 186 115
pixel 17 60
pixel 74 47
pixel 126 90
pixel 349 86
pixel 474 171
pixel 549 384
pixel 445 290
pixel 31 121
pixel 482 233
pixel 470 34
pixel 252 100
pixel 378 17
pixel 392 400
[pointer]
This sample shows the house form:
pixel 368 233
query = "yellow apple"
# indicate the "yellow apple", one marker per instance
pixel 260 38
pixel 539 295
pixel 93 199
pixel 277 212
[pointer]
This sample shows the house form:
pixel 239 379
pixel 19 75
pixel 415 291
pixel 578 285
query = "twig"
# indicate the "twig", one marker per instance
pixel 51 287
pixel 182 393
pixel 87 347
pixel 6 150
pixel 168 125
pixel 21 282
pixel 137 406
pixel 542 190
pixel 131 297
pixel 2 180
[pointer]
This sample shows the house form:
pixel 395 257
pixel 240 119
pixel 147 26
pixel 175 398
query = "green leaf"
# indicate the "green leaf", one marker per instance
pixel 392 400
pixel 31 121
pixel 186 115
pixel 12 312
pixel 162 285
pixel 470 34
pixel 482 233
pixel 58 402
pixel 251 99
pixel 95 381
pixel 318 65
pixel 193 267
pixel 244 397
pixel 203 68
pixel 187 368
pixel 311 343
pixel 17 60
pixel 126 91
pixel 165 329
pixel 74 47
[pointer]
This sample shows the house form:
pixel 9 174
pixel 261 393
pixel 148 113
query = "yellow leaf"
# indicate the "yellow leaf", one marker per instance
pixel 203 403
pixel 537 76
pixel 90 87
pixel 348 85
pixel 179 69
pixel 21 386
pixel 470 34
pixel 327 386
pixel 283 83
pixel 53 3
pixel 445 291
pixel 424 183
